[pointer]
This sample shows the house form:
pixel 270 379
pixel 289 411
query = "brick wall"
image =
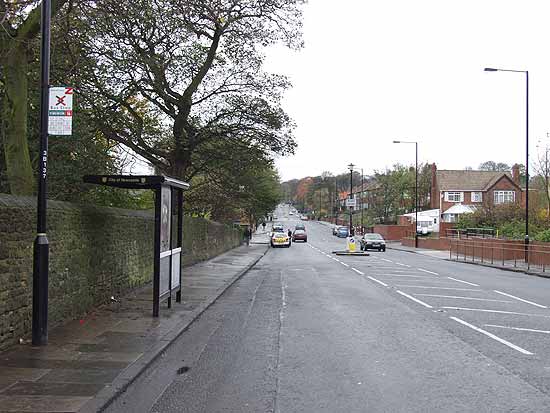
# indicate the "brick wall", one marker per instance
pixel 95 252
pixel 393 232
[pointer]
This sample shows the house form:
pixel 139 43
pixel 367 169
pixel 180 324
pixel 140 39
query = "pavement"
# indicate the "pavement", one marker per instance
pixel 89 362
pixel 507 265
pixel 307 331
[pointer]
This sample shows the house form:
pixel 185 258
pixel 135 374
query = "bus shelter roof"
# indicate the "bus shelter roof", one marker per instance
pixel 135 181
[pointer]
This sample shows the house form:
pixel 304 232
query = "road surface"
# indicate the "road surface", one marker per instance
pixel 307 331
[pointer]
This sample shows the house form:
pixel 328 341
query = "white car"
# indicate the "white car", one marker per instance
pixel 280 239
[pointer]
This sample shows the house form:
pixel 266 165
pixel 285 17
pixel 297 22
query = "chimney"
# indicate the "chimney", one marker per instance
pixel 515 173
pixel 434 193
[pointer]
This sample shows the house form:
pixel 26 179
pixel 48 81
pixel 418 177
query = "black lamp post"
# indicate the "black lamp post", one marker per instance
pixel 362 192
pixel 491 69
pixel 350 167
pixel 415 191
pixel 41 244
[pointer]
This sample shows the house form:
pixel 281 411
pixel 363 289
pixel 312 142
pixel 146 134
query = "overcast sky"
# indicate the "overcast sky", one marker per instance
pixel 376 71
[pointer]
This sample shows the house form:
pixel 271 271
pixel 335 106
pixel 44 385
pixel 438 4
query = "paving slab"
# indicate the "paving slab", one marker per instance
pixel 87 362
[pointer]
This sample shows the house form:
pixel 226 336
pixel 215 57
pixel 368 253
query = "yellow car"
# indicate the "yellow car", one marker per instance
pixel 280 239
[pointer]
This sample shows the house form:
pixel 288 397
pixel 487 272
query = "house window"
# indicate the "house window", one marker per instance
pixel 454 196
pixel 477 197
pixel 502 197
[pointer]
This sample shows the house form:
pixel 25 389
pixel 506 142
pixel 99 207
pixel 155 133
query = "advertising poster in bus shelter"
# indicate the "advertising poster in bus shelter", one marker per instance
pixel 165 256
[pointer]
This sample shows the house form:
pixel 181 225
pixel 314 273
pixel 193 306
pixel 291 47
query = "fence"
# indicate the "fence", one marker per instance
pixel 534 256
pixel 470 232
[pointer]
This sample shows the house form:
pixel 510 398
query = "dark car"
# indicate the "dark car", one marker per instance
pixel 342 232
pixel 300 226
pixel 299 235
pixel 373 242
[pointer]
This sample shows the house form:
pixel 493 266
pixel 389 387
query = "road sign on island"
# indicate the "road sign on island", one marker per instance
pixel 60 111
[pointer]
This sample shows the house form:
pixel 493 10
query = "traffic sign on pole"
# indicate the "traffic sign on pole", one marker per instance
pixel 60 111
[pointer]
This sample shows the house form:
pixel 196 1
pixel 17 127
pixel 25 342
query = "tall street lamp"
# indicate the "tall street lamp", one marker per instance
pixel 41 244
pixel 362 192
pixel 350 167
pixel 415 191
pixel 491 69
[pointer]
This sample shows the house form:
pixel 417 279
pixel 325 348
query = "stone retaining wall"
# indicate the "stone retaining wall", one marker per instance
pixel 95 253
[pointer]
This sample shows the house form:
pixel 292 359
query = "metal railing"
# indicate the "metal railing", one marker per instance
pixel 501 253
pixel 470 232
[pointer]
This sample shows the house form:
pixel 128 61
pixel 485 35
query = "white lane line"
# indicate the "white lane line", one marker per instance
pixel 520 299
pixel 496 311
pixel 384 259
pixel 416 300
pixel 463 282
pixel 377 281
pixel 401 275
pixel 403 265
pixel 336 259
pixel 500 340
pixel 518 328
pixel 437 288
pixel 357 271
pixel 464 298
pixel 344 264
pixel 429 272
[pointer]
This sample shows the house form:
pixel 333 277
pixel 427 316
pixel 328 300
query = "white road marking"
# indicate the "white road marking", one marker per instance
pixel 401 275
pixel 416 300
pixel 438 288
pixel 464 298
pixel 403 265
pixel 357 271
pixel 496 311
pixel 518 328
pixel 377 281
pixel 344 264
pixel 500 340
pixel 520 299
pixel 336 259
pixel 463 282
pixel 429 272
pixel 384 259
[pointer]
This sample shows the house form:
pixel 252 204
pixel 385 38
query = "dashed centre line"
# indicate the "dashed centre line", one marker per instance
pixel 491 335
pixel 377 281
pixel 357 271
pixel 520 299
pixel 403 265
pixel 416 300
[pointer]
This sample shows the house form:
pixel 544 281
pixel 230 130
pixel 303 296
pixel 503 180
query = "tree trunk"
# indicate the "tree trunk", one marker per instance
pixel 14 121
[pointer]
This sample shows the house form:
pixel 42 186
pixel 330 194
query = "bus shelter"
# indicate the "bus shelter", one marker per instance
pixel 168 229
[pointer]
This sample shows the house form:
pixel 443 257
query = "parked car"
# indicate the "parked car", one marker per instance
pixel 299 235
pixel 343 232
pixel 373 241
pixel 280 239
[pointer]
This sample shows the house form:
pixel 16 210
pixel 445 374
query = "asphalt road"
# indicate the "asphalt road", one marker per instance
pixel 306 331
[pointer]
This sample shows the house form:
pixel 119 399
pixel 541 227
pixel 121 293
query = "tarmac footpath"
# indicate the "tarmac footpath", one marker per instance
pixel 88 362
